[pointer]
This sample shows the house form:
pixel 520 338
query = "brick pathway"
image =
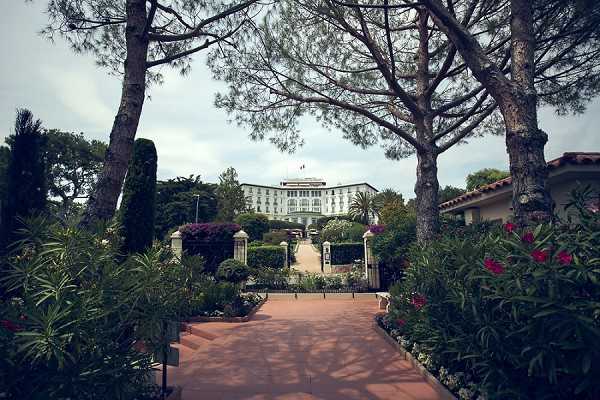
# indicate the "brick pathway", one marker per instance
pixel 298 350
pixel 307 258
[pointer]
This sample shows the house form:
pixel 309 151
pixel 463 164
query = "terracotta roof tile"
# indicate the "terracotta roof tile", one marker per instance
pixel 573 158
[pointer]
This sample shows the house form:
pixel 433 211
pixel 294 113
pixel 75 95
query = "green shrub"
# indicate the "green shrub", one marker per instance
pixel 321 222
pixel 218 295
pixel 233 271
pixel 517 310
pixel 272 278
pixel 266 257
pixel 275 237
pixel 346 253
pixel 138 208
pixel 254 224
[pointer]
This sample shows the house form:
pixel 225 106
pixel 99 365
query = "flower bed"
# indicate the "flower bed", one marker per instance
pixel 251 304
pixel 449 386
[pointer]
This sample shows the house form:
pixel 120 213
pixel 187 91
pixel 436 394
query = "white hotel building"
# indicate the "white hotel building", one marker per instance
pixel 303 200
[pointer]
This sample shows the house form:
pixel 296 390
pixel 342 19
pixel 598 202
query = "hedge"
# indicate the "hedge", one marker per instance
pixel 266 257
pixel 212 241
pixel 346 253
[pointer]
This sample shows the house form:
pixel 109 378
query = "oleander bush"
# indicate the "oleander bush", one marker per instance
pixel 346 253
pixel 342 231
pixel 509 313
pixel 212 241
pixel 74 311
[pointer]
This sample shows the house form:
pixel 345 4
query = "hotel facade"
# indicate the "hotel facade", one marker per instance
pixel 303 200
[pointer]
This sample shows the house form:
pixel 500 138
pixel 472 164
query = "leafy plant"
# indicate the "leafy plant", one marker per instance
pixel 266 257
pixel 233 271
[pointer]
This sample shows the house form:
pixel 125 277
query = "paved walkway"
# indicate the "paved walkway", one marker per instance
pixel 299 350
pixel 307 258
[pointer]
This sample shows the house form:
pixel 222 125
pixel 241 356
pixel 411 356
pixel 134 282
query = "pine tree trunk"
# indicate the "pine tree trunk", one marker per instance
pixel 103 201
pixel 426 189
pixel 524 140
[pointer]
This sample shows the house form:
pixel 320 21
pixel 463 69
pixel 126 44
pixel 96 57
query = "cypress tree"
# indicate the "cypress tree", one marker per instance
pixel 26 186
pixel 138 207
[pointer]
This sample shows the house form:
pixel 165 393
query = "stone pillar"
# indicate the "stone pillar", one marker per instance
pixel 326 257
pixel 371 267
pixel 240 246
pixel 287 259
pixel 177 244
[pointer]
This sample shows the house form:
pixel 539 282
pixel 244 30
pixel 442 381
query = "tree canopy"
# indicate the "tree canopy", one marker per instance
pixel 232 201
pixel 484 177
pixel 176 203
pixel 449 192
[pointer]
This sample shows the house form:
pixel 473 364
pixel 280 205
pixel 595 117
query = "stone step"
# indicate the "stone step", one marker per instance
pixel 192 341
pixel 196 331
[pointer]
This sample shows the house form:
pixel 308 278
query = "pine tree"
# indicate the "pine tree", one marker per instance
pixel 138 208
pixel 232 201
pixel 26 175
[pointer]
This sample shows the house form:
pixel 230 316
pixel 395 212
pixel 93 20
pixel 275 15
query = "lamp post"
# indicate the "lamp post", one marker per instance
pixel 197 196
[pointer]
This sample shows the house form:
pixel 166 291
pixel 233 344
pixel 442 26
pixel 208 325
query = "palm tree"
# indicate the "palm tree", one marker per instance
pixel 363 207
pixel 388 198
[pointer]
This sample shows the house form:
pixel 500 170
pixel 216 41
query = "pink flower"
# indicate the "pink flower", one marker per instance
pixel 400 322
pixel 9 325
pixel 509 227
pixel 418 301
pixel 564 258
pixel 493 266
pixel 539 256
pixel 528 237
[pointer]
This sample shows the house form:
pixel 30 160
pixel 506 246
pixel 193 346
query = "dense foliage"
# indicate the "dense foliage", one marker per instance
pixel 321 222
pixel 339 230
pixel 346 253
pixel 510 313
pixel 176 201
pixel 233 271
pixel 448 193
pixel 363 208
pixel 266 256
pixel 73 315
pixel 277 224
pixel 138 207
pixel 254 224
pixel 391 245
pixel 213 241
pixel 26 182
pixel 73 164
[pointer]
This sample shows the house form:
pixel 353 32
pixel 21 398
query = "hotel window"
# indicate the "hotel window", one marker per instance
pixel 316 205
pixel 267 192
pixel 292 205
pixel 304 205
pixel 258 190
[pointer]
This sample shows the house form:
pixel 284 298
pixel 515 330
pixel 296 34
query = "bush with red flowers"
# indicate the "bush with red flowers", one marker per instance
pixel 515 309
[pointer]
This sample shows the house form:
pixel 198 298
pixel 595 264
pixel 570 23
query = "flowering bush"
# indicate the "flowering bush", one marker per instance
pixel 213 241
pixel 519 310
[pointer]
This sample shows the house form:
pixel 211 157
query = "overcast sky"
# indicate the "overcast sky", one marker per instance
pixel 68 91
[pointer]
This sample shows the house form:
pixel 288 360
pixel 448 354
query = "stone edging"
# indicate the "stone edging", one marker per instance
pixel 202 318
pixel 432 380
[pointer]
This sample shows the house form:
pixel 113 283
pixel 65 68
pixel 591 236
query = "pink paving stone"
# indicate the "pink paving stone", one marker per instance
pixel 300 350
